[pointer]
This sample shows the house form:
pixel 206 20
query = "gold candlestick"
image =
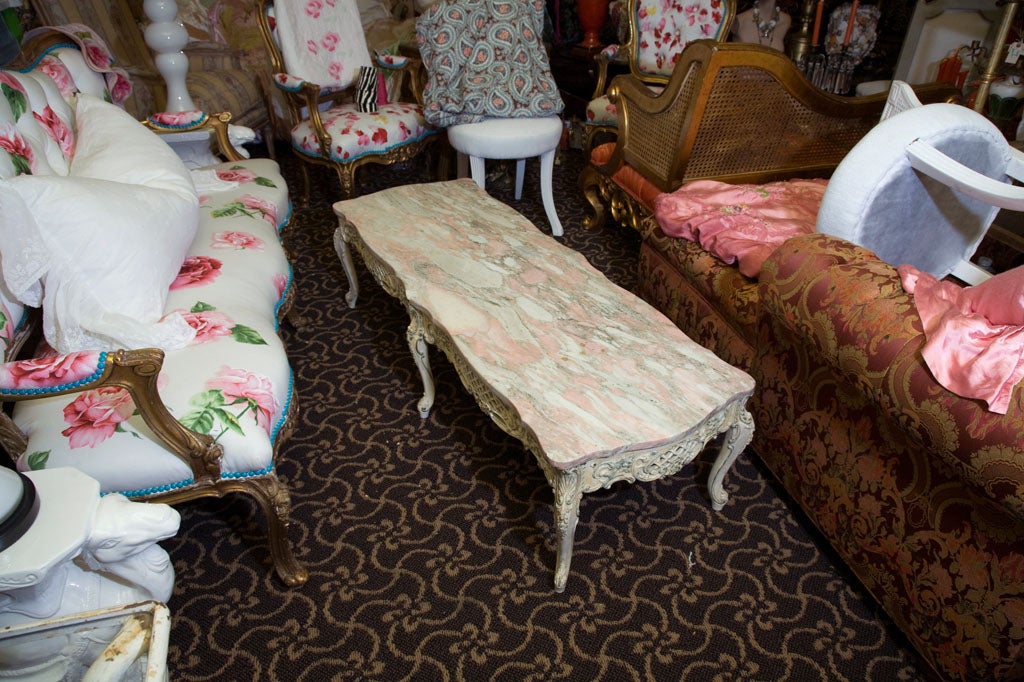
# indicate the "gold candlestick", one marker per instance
pixel 995 56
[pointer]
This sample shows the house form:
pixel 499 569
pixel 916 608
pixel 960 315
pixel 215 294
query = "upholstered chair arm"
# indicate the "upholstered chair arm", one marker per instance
pixel 603 59
pixel 136 371
pixel 411 75
pixel 847 310
pixel 169 122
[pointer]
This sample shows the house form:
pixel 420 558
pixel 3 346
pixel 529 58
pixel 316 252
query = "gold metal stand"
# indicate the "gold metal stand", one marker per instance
pixel 996 54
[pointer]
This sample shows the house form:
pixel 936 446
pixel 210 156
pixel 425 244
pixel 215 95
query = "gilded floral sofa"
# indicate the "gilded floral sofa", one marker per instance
pixel 158 292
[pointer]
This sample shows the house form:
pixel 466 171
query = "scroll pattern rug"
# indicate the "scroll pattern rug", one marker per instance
pixel 430 542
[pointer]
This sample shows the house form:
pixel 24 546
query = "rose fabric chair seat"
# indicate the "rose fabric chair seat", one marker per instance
pixel 341 115
pixel 658 33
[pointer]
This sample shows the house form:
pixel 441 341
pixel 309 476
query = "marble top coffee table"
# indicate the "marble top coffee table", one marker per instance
pixel 597 384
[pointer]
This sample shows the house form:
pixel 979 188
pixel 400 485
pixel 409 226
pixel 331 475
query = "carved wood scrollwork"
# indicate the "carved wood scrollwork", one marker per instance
pixel 137 371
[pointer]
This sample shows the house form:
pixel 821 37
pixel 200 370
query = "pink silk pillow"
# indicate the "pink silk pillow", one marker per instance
pixel 974 336
pixel 743 223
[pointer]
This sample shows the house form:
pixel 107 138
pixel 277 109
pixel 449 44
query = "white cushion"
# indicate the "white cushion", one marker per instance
pixel 99 248
pixel 877 200
pixel 507 138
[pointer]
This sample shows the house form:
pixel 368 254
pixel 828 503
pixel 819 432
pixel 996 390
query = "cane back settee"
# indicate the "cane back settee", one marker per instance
pixel 919 491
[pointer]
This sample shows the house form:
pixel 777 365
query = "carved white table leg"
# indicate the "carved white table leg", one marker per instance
pixel 345 256
pixel 167 37
pixel 568 490
pixel 418 346
pixel 737 438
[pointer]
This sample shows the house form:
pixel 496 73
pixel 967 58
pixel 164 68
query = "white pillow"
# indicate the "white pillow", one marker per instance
pixel 98 249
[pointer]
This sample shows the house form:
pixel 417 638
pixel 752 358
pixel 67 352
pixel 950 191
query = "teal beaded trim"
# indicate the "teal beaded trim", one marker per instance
pixel 47 52
pixel 195 123
pixel 284 297
pixel 100 366
pixel 169 487
pixel 287 404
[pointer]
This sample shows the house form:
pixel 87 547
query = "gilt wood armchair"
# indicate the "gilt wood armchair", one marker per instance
pixel 732 112
pixel 317 59
pixel 658 34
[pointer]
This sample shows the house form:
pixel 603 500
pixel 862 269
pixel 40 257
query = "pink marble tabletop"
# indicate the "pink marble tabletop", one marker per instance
pixel 591 369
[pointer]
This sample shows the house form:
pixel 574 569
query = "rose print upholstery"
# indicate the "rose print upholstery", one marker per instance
pixel 659 31
pixel 203 419
pixel 317 51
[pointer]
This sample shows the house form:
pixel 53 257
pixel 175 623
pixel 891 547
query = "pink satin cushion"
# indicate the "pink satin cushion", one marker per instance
pixel 974 336
pixel 740 223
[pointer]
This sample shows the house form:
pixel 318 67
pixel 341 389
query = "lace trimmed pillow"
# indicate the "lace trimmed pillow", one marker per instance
pixel 99 248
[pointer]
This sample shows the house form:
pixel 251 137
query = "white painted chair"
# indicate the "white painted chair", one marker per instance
pixel 923 187
pixel 511 138
pixel 489 84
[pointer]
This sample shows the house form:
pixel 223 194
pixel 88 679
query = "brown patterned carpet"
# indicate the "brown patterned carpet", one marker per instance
pixel 430 542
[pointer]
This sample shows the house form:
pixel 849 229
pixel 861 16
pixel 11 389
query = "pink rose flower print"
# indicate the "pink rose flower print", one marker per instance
pixel 237 240
pixel 57 130
pixel 210 325
pixel 252 206
pixel 239 385
pixel 330 41
pixel 235 174
pixel 334 69
pixel 121 88
pixel 95 415
pixel 59 74
pixel 12 142
pixel 97 56
pixel 313 8
pixel 48 371
pixel 197 271
pixel 280 283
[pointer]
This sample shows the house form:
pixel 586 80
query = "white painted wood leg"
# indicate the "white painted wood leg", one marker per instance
pixel 345 256
pixel 476 164
pixel 547 165
pixel 736 440
pixel 568 493
pixel 167 37
pixel 520 172
pixel 418 346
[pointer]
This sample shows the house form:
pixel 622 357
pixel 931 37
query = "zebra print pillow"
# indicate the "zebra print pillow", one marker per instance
pixel 366 89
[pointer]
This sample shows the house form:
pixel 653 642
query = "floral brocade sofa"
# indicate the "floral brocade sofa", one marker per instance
pixel 919 491
pixel 158 291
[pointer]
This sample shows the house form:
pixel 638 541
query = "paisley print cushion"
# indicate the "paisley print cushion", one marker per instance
pixel 485 59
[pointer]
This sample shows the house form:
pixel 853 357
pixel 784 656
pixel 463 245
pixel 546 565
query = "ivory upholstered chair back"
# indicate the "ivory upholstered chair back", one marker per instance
pixel 342 114
pixel 658 34
pixel 220 77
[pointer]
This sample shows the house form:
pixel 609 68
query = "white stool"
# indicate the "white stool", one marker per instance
pixel 511 138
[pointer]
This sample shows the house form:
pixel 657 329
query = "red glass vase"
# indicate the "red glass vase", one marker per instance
pixel 592 15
